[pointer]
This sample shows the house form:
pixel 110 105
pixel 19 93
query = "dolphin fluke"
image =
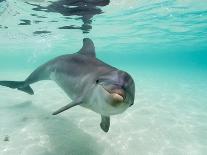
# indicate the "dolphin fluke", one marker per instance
pixel 20 85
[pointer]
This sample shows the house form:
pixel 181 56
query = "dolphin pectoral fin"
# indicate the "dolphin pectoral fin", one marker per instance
pixel 105 123
pixel 70 105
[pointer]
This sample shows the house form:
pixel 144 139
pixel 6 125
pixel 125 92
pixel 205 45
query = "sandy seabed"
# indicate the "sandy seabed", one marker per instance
pixel 168 118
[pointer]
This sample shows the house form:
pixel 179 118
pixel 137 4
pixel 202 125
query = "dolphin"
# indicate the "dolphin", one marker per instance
pixel 87 81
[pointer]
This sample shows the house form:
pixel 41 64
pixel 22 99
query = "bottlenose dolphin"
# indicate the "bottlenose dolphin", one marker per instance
pixel 88 81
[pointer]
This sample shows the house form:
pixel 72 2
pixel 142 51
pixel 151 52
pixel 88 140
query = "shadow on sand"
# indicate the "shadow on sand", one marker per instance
pixel 64 137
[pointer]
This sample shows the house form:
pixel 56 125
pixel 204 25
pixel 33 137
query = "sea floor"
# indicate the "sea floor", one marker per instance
pixel 169 117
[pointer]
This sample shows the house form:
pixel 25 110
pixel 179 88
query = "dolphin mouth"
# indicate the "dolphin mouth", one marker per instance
pixel 117 96
pixel 118 93
pixel 117 99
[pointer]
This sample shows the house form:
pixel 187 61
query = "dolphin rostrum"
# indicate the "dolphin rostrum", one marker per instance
pixel 88 81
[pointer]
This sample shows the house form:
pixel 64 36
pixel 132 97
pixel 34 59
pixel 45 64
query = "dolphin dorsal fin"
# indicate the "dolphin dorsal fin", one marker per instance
pixel 88 48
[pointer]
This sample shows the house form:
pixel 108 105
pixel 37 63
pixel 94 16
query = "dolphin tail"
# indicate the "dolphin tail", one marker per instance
pixel 41 73
pixel 20 85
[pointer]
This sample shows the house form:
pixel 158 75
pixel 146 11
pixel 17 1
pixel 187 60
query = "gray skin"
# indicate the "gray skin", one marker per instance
pixel 88 81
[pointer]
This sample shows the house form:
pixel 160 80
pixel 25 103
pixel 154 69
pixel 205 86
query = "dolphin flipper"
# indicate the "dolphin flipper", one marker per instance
pixel 70 105
pixel 105 123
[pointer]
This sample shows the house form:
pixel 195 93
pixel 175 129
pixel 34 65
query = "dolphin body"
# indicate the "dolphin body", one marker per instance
pixel 88 81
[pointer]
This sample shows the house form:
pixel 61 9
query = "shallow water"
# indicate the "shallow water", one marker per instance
pixel 162 44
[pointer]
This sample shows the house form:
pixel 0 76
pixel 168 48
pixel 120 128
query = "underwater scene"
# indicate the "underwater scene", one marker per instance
pixel 116 77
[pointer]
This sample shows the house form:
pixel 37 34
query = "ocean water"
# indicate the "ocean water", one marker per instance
pixel 161 43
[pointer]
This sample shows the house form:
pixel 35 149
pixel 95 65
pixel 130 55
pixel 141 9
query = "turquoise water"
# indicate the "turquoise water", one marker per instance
pixel 161 43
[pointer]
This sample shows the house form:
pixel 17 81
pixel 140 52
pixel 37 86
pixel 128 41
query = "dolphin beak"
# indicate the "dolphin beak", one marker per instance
pixel 118 96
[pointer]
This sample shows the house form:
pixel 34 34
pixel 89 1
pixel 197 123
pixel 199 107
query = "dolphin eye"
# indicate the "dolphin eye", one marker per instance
pixel 97 81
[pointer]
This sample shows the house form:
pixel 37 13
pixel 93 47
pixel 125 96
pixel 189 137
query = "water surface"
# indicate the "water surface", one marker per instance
pixel 161 43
